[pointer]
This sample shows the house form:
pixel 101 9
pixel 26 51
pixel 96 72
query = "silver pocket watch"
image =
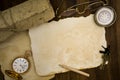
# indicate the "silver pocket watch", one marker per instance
pixel 105 16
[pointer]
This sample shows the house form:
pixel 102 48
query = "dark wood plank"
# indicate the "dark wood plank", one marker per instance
pixel 116 5
pixel 62 76
pixel 5 4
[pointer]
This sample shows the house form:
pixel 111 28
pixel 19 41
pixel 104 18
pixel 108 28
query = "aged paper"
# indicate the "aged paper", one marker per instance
pixel 72 41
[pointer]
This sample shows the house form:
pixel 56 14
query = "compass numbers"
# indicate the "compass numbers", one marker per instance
pixel 20 65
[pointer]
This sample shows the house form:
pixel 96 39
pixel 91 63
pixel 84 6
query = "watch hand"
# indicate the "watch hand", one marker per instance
pixel 22 66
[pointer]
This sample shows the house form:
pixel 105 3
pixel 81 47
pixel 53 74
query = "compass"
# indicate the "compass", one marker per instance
pixel 105 16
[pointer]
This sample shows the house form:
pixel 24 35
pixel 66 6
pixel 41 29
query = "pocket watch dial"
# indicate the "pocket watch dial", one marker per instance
pixel 20 65
pixel 105 16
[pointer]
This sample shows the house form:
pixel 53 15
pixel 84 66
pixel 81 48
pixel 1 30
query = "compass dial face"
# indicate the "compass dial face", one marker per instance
pixel 105 16
pixel 20 65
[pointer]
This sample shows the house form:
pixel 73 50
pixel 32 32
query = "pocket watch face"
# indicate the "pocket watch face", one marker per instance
pixel 20 65
pixel 105 16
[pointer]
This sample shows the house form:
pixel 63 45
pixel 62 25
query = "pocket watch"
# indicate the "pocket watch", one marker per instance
pixel 105 16
pixel 21 64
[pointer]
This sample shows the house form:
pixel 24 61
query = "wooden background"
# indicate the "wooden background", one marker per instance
pixel 112 70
